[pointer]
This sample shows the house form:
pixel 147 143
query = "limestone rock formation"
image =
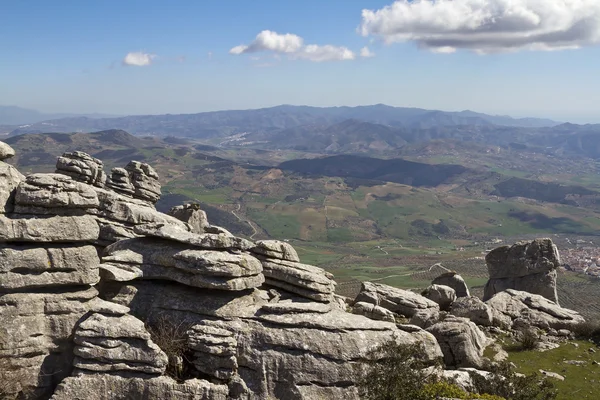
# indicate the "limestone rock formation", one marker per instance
pixel 276 249
pixel 192 215
pixel 109 343
pixel 474 309
pixel 6 151
pixel 513 308
pixel 89 269
pixel 444 296
pixel 119 181
pixel 305 280
pixel 54 194
pixel 527 266
pixel 150 258
pixel 403 302
pixel 82 167
pixel 461 342
pixel 455 281
pixel 144 180
pixel 373 312
pixel 9 180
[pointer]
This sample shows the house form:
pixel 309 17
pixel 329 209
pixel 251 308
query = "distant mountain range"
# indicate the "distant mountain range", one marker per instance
pixel 261 121
pixel 12 115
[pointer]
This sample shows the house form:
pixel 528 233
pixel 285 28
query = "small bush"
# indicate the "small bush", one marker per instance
pixel 587 330
pixel 395 373
pixel 169 335
pixel 528 339
pixel 505 382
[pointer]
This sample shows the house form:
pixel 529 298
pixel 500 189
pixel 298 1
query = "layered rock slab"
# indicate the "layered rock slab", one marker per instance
pixel 151 258
pixel 32 266
pixel 513 308
pixel 82 167
pixel 110 343
pixel 399 301
pixel 58 229
pixel 109 387
pixel 305 280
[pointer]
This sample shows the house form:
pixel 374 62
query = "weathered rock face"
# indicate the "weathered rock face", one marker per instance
pixel 192 215
pixel 9 180
pixel 119 182
pixel 527 266
pixel 111 387
pixel 455 281
pixel 144 180
pixel 461 342
pixel 373 312
pixel 474 309
pixel 51 229
pixel 82 167
pixel 444 296
pixel 276 249
pixel 517 308
pixel 150 258
pixel 403 302
pixel 31 266
pixel 54 194
pixel 109 343
pixel 6 151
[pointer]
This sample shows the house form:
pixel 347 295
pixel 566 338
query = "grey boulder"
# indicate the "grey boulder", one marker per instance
pixel 399 301
pixel 82 167
pixel 192 215
pixel 6 151
pixel 453 280
pixel 461 342
pixel 57 229
pixel 276 249
pixel 444 296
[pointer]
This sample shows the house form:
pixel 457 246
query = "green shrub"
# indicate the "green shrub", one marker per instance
pixel 394 373
pixel 587 330
pixel 528 339
pixel 505 382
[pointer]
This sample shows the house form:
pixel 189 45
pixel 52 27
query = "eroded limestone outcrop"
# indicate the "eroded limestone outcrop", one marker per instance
pixel 260 324
pixel 527 266
pixel 90 271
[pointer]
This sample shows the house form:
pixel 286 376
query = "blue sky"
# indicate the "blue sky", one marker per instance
pixel 68 56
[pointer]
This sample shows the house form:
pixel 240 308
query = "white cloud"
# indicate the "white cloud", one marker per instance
pixel 486 26
pixel 271 41
pixel 366 53
pixel 138 59
pixel 293 45
pixel 317 53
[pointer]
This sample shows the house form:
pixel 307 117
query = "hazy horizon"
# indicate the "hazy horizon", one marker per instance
pixel 515 58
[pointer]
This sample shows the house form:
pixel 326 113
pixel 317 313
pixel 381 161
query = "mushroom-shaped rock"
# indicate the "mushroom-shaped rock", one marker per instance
pixel 399 301
pixel 527 266
pixel 443 295
pixel 6 151
pixel 82 167
pixel 453 280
